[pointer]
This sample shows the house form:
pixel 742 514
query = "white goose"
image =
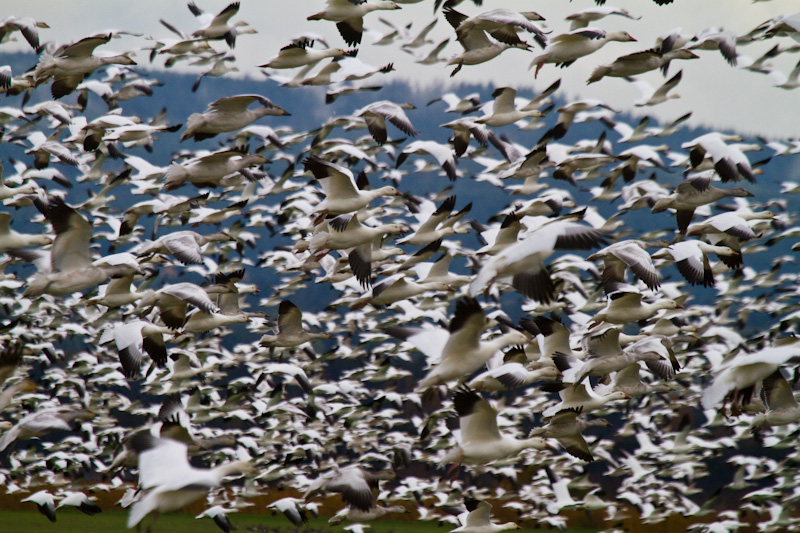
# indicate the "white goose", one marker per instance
pixel 564 49
pixel 691 259
pixel 481 442
pixel 342 194
pixel 346 232
pixel 457 351
pixel 229 113
pixel 524 260
pixel 692 193
pixel 747 370
pixel 132 339
pixel 504 109
pixel 377 113
pixel 185 246
pixel 290 329
pixel 168 480
pixel 349 16
pixel 300 53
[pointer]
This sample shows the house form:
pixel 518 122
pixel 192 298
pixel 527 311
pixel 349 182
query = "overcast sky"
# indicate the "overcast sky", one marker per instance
pixel 719 95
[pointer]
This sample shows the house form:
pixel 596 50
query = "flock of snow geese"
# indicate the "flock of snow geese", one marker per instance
pixel 129 362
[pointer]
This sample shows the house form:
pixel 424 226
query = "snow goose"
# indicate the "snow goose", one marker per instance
pixel 625 305
pixel 168 480
pixel 581 19
pixel 639 63
pixel 45 502
pixel 229 113
pixel 28 27
pixel 733 224
pixel 290 329
pixel 524 260
pixel 629 381
pixel 134 338
pixel 457 351
pixel 746 370
pixel 185 246
pixel 478 48
pixel 567 428
pixel 342 193
pixel 377 113
pixel 464 129
pixel 782 408
pixel 501 237
pixel 715 39
pixel 457 104
pixel 300 53
pixel 216 27
pixel 20 387
pixel 501 24
pixel 605 356
pixel 691 259
pixel 436 224
pixel 358 487
pixel 651 96
pixel 219 67
pixel 577 396
pixel 173 301
pixel 479 520
pixel 481 442
pixel 68 65
pixel 291 509
pixel 441 152
pixel 80 501
pixel 349 16
pixel 11 239
pixel 729 161
pixel 629 254
pixel 566 116
pixel 346 232
pixel 511 375
pixel 40 422
pixel 692 193
pixel 70 267
pixel 219 515
pixel 786 81
pixel 397 288
pixel 564 49
pixel 504 111
pixel 210 169
pixel 356 515
pixel 7 192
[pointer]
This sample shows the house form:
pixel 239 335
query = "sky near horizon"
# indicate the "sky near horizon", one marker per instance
pixel 719 96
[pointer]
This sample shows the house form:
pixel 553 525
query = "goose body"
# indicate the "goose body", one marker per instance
pixel 639 63
pixel 290 329
pixel 693 193
pixel 229 113
pixel 168 480
pixel 564 49
pixel 524 260
pixel 481 440
pixel 342 194
pixel 349 16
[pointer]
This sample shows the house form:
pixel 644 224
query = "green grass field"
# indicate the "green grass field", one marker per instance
pixel 72 521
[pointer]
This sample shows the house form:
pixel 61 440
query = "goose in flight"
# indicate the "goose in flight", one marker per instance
pixel 524 260
pixel 168 481
pixel 349 16
pixel 457 351
pixel 342 193
pixel 481 441
pixel 229 113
